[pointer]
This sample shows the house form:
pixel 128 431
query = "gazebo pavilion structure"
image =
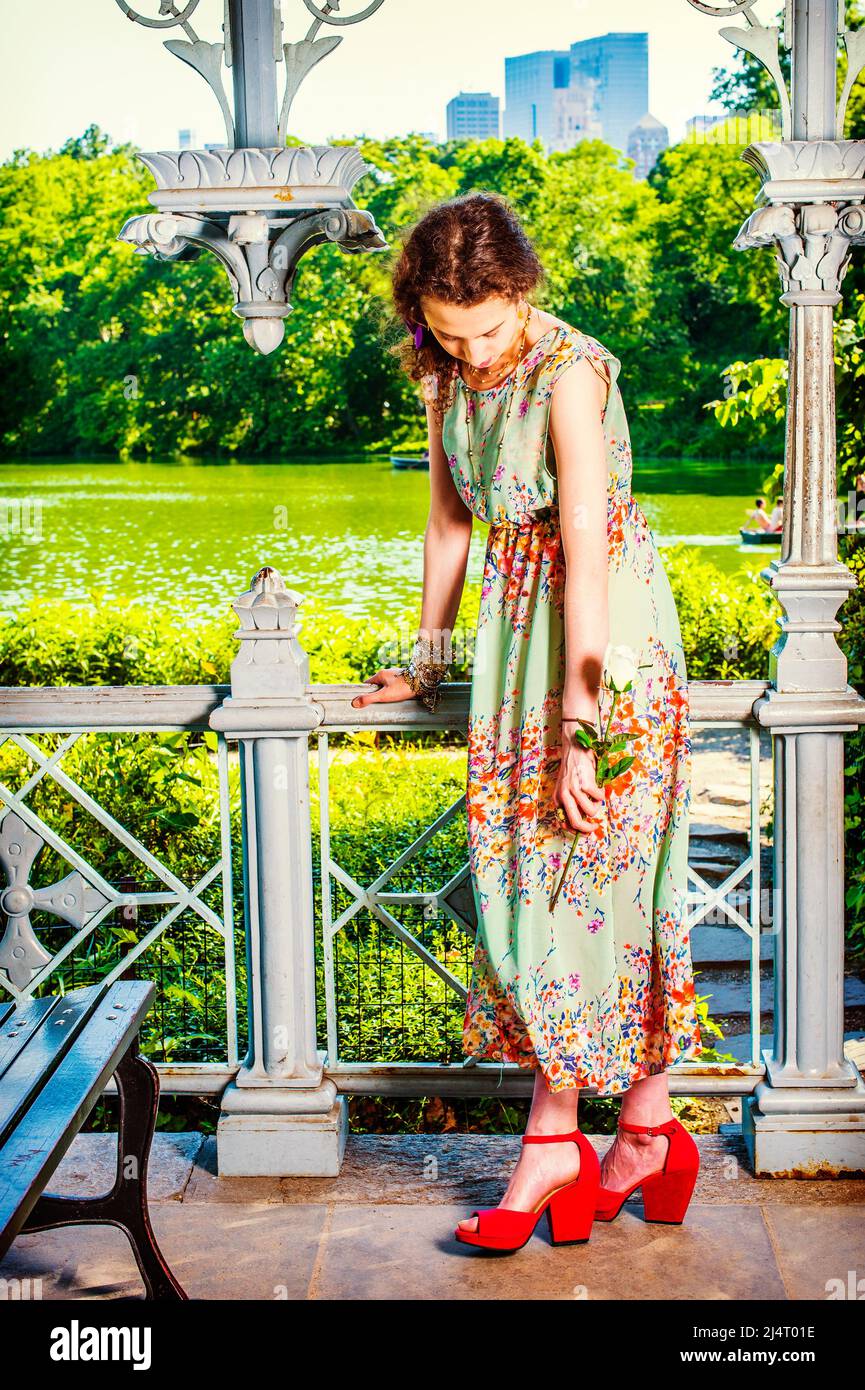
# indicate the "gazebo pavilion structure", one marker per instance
pixel 259 206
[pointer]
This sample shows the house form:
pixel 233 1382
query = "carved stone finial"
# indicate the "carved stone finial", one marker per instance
pixel 271 663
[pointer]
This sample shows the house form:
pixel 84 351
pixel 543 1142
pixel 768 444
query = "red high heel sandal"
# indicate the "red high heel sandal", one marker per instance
pixel 666 1194
pixel 570 1209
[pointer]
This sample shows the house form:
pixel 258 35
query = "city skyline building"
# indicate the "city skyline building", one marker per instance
pixel 473 116
pixel 645 142
pixel 596 89
pixel 617 66
pixel 532 84
pixel 575 117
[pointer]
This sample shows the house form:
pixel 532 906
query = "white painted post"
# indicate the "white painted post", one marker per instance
pixel 282 1116
pixel 254 49
pixel 808 1116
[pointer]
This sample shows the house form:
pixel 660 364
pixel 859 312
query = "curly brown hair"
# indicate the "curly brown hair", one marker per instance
pixel 462 251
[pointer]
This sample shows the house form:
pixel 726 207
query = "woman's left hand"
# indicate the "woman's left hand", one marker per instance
pixel 577 792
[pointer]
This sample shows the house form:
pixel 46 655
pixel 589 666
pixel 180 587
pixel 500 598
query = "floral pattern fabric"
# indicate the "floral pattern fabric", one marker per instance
pixel 599 993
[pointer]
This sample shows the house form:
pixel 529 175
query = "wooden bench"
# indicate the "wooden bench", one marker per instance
pixel 56 1055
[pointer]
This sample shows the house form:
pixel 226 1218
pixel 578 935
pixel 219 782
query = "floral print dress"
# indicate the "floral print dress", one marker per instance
pixel 600 992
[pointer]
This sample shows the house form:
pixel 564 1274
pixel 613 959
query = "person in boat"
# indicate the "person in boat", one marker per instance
pixel 758 519
pixel 776 517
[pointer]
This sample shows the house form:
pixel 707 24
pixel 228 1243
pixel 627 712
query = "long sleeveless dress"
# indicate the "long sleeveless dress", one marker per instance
pixel 600 992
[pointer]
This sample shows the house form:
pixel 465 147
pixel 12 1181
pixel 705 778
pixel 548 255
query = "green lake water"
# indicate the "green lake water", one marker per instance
pixel 190 536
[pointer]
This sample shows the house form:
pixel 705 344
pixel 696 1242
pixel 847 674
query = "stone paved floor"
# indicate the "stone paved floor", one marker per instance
pixel 382 1230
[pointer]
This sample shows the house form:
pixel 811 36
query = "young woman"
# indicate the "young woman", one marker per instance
pixel 527 432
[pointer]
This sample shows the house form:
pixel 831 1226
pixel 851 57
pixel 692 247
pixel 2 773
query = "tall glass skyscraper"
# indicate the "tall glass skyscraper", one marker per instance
pixel 597 89
pixel 531 83
pixel 619 66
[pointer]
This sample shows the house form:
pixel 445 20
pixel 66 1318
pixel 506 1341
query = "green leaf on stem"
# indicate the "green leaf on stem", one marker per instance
pixel 620 767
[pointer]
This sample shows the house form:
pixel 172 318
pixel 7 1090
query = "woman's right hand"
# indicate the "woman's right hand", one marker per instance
pixel 392 686
pixel 577 792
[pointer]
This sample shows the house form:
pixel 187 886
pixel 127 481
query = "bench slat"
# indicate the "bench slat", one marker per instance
pixel 19 1026
pixel 31 1154
pixel 42 1050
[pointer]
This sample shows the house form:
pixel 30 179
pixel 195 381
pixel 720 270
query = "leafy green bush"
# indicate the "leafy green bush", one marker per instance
pixel 727 621
pixel 727 624
pixel 112 641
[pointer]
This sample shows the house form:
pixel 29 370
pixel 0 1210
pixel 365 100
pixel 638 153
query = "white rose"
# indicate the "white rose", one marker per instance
pixel 620 667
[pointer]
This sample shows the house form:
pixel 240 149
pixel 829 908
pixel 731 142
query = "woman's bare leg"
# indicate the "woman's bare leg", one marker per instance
pixel 634 1156
pixel 542 1167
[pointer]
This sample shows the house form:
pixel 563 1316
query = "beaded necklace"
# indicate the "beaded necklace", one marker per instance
pixel 511 393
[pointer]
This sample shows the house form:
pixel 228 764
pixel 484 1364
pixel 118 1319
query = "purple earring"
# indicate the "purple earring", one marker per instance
pixel 416 331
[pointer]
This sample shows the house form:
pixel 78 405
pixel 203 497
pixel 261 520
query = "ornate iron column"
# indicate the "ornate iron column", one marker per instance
pixel 257 205
pixel 808 1116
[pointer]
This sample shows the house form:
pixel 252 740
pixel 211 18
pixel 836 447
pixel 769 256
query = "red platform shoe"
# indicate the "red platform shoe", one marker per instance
pixel 570 1209
pixel 667 1192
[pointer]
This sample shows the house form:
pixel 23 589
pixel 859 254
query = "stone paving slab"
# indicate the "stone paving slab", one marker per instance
pixel 253 1250
pixel 258 1251
pixel 421 1169
pixel 406 1252
pixel 88 1168
pixel 820 1249
pixel 384 1230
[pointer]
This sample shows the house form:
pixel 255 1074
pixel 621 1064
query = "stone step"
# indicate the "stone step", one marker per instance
pixel 737 817
pixel 728 993
pixel 727 794
pixel 700 851
pixel 710 830
pixel 714 868
pixel 726 946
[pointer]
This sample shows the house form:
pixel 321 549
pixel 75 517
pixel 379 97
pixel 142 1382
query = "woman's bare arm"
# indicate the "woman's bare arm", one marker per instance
pixel 576 429
pixel 445 558
pixel 446 542
pixel 581 464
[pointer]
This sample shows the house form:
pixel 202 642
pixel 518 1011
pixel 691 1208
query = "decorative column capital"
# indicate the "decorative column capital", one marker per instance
pixel 256 204
pixel 813 194
pixel 258 212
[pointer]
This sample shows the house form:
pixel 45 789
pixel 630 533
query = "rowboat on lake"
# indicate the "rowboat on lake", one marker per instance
pixel 759 537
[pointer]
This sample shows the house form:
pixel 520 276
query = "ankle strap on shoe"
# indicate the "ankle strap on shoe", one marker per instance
pixel 550 1138
pixel 668 1127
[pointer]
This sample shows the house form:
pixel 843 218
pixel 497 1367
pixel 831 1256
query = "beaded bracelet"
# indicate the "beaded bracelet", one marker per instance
pixel 424 673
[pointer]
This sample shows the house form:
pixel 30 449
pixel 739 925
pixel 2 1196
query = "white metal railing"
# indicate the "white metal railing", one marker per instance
pixel 85 900
pixel 706 898
pixel 714 704
pixel 103 710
